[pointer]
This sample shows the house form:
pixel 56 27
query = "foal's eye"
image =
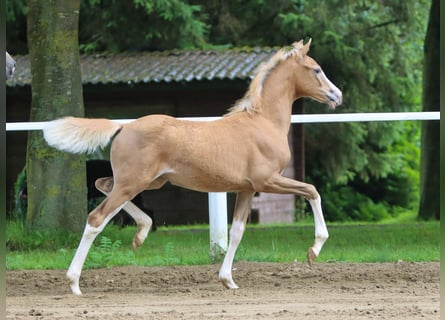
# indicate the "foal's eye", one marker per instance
pixel 318 70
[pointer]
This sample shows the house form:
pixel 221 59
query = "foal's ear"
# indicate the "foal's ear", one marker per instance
pixel 298 45
pixel 300 48
pixel 305 48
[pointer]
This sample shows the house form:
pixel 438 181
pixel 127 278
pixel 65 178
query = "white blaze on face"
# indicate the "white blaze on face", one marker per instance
pixel 334 94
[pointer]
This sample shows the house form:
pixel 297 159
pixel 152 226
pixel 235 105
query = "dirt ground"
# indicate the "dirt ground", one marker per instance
pixel 327 291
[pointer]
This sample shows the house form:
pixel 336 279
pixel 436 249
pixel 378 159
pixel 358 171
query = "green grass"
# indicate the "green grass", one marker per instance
pixel 188 245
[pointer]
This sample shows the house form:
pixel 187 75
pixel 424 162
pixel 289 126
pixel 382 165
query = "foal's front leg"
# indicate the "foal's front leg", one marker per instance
pixel 283 185
pixel 242 210
pixel 321 231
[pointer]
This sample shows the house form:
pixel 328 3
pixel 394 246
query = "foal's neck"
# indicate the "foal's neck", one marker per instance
pixel 278 97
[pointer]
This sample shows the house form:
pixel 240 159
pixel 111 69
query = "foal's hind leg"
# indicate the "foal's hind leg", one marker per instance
pixel 283 185
pixel 97 220
pixel 242 209
pixel 143 221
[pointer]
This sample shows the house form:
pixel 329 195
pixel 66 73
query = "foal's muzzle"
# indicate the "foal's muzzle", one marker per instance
pixel 335 98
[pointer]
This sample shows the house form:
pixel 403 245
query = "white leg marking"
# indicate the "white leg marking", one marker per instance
pixel 73 273
pixel 89 234
pixel 143 222
pixel 225 273
pixel 321 232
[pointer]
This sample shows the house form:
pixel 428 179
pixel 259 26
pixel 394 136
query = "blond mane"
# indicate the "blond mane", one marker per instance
pixel 251 102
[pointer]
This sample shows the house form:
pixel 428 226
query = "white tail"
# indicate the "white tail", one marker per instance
pixel 80 135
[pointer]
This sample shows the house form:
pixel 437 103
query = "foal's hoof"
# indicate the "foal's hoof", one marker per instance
pixel 229 283
pixel 74 285
pixel 137 242
pixel 311 256
pixel 76 290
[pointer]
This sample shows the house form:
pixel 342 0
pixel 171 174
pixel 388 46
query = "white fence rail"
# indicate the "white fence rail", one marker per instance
pixel 218 201
pixel 298 118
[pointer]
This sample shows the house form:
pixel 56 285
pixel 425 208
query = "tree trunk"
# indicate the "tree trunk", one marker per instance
pixel 429 207
pixel 56 181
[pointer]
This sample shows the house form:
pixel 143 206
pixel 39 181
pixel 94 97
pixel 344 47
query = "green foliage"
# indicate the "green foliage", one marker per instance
pixel 375 182
pixel 122 25
pixel 179 246
pixel 377 243
pixel 344 203
pixel 16 26
pixel 15 10
pixel 20 201
pixel 163 24
pixel 106 253
pixel 19 238
pixel 170 257
pixel 18 212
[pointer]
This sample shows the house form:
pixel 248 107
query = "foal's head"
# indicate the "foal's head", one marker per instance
pixel 310 80
pixel 302 74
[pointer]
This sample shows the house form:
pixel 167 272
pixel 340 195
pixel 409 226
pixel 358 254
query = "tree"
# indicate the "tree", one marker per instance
pixel 429 206
pixel 117 25
pixel 123 25
pixel 56 180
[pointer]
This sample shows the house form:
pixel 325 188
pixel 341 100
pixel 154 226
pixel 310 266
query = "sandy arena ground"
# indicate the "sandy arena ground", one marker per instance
pixel 328 291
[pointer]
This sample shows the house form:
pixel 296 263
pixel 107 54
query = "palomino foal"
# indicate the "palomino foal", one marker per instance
pixel 244 152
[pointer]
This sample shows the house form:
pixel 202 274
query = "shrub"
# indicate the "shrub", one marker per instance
pixel 346 204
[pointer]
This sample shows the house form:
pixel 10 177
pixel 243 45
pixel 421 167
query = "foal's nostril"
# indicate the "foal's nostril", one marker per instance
pixel 336 93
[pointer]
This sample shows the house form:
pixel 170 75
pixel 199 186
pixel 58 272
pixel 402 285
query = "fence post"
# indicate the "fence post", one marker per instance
pixel 217 225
